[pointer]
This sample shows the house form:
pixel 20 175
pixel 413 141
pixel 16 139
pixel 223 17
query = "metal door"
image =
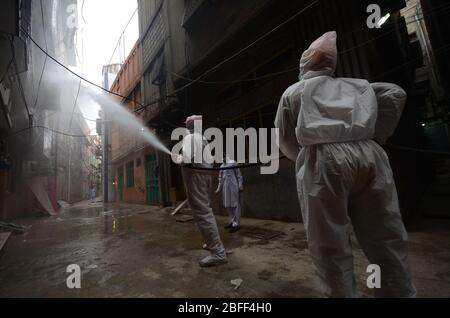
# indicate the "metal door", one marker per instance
pixel 151 180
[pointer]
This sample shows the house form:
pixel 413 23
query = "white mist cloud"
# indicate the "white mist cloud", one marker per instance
pixel 98 34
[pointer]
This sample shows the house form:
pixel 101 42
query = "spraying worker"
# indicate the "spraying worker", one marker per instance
pixel 329 127
pixel 231 186
pixel 198 185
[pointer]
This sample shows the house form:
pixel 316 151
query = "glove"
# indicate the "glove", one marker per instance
pixel 177 159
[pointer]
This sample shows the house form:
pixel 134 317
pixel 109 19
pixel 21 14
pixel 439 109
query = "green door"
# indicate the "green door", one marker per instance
pixel 120 182
pixel 151 180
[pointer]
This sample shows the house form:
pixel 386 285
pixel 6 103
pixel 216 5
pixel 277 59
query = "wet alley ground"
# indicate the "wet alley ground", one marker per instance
pixel 141 251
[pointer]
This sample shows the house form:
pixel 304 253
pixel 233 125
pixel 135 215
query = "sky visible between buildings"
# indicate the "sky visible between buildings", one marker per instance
pixel 101 24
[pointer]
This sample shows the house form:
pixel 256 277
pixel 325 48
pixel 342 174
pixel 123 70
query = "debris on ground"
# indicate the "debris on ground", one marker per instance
pixel 14 227
pixel 236 283
pixel 37 186
pixel 3 238
pixel 179 207
pixel 92 266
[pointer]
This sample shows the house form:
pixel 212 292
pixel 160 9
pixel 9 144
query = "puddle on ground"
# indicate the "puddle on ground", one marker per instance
pixel 116 224
pixel 83 212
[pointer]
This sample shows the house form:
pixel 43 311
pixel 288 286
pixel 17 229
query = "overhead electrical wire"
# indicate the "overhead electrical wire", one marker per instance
pixel 217 66
pixel 240 80
pixel 260 164
pixel 123 32
pixel 439 50
pixel 74 106
pixel 72 72
pixel 179 89
pixel 296 67
pixel 198 79
pixel 49 129
pixel 189 84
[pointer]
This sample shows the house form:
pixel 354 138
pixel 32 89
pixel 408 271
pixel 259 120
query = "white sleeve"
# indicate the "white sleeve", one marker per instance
pixel 284 121
pixel 188 148
pixel 193 150
pixel 391 100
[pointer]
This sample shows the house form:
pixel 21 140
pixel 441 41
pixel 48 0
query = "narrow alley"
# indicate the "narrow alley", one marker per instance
pixel 224 150
pixel 127 250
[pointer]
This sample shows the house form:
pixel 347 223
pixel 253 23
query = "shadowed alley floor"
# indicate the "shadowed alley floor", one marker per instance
pixel 140 251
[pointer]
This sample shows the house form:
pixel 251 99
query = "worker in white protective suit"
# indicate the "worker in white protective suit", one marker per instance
pixel 196 154
pixel 329 127
pixel 231 185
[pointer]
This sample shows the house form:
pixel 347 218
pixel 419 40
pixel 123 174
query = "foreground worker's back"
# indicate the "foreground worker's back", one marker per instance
pixel 344 180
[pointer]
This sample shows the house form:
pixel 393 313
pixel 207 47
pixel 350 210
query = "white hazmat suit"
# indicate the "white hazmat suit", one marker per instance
pixel 344 179
pixel 198 186
pixel 231 185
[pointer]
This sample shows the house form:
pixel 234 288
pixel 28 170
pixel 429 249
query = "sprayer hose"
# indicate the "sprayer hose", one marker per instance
pixel 259 164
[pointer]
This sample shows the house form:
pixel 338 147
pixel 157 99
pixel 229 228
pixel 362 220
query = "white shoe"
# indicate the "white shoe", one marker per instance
pixel 213 260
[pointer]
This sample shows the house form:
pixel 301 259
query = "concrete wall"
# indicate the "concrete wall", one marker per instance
pixel 125 147
pixel 215 22
pixel 271 197
pixel 137 193
pixel 34 153
pixel 128 76
pixel 127 83
pixel 16 202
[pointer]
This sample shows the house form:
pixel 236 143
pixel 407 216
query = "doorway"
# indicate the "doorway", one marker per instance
pixel 151 180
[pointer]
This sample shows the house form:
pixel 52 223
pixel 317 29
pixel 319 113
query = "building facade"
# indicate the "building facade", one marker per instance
pixel 133 162
pixel 43 144
pixel 104 129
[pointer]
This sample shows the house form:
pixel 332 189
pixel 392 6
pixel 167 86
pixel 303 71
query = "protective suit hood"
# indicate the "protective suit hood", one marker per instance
pixel 190 121
pixel 320 58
